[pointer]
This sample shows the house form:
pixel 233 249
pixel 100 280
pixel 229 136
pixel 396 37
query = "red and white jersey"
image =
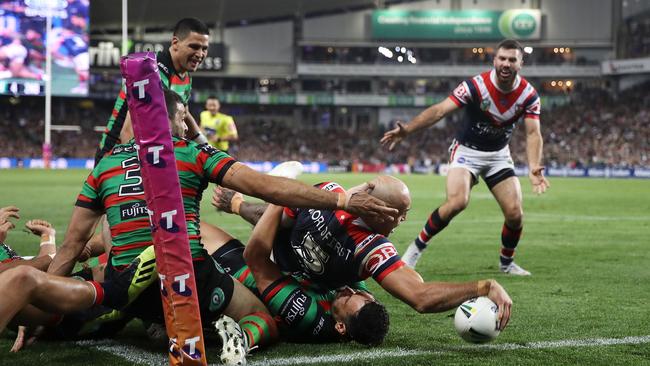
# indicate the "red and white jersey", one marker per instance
pixel 334 248
pixel 490 113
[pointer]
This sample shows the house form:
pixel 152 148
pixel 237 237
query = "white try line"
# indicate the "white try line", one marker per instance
pixel 350 357
pixel 138 355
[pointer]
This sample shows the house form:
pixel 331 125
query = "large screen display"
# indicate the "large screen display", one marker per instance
pixel 23 37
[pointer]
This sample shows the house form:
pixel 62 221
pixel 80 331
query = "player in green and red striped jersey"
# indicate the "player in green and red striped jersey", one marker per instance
pixel 121 184
pixel 188 48
pixel 306 311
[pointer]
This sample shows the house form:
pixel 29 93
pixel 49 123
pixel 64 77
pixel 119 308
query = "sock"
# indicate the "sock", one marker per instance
pixel 259 329
pixel 433 226
pixel 509 241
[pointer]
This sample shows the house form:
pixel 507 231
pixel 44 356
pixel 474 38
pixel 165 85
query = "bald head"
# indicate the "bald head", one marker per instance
pixel 392 191
pixel 396 195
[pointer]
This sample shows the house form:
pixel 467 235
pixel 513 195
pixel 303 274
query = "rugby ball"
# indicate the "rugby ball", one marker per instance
pixel 476 320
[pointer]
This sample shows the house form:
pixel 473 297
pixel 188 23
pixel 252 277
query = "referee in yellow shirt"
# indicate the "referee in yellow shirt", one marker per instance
pixel 219 128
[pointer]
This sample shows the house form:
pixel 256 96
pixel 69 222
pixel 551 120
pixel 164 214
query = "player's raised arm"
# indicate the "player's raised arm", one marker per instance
pixel 434 297
pixel 534 145
pixel 426 118
pixel 293 193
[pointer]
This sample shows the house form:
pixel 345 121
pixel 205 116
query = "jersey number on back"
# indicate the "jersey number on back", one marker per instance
pixel 133 180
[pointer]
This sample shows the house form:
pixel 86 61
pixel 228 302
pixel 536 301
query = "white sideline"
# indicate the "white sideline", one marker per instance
pixel 135 354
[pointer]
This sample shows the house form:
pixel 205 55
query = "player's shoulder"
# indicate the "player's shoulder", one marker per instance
pixel 330 186
pixel 164 61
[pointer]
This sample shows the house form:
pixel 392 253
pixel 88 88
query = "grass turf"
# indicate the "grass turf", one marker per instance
pixel 585 241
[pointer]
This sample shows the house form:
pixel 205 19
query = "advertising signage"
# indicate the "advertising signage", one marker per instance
pixel 456 25
pixel 106 54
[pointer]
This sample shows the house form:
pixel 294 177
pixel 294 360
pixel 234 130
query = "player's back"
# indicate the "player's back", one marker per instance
pixel 335 248
pixel 116 186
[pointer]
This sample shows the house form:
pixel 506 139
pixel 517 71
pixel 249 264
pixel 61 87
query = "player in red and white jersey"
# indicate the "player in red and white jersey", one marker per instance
pixel 494 102
pixel 334 248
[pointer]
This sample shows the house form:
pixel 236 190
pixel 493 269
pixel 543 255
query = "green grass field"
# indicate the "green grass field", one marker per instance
pixel 586 242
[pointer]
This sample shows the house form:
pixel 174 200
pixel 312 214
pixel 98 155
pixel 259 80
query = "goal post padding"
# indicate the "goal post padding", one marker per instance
pixel 162 190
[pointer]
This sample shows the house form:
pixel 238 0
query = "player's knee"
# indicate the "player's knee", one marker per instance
pixel 457 203
pixel 27 277
pixel 514 217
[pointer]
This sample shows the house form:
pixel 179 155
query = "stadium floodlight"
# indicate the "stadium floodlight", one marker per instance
pixel 400 58
pixel 569 83
pixel 528 50
pixel 385 51
pixel 403 50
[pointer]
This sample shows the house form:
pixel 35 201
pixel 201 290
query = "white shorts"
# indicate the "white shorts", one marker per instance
pixel 492 166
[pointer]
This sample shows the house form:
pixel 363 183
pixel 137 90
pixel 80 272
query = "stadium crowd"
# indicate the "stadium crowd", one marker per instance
pixel 594 129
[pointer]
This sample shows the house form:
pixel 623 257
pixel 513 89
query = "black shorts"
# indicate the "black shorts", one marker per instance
pixel 214 286
pixel 231 256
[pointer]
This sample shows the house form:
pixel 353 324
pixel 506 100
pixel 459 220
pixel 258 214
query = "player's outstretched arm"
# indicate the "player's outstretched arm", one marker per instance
pixel 534 145
pixel 434 297
pixel 293 193
pixel 426 118
pixel 80 230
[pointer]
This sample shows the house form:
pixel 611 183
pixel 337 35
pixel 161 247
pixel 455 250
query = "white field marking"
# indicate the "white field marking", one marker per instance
pixel 138 355
pixel 350 357
pixel 535 217
pixel 589 342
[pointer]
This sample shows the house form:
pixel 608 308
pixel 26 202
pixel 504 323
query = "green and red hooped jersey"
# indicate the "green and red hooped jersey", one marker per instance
pixel 7 254
pixel 302 309
pixel 115 187
pixel 170 80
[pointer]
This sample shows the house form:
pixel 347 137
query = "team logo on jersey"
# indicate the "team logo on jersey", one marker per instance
pixel 461 160
pixel 208 149
pixel 518 109
pixel 485 104
pixel 217 300
pixel 133 210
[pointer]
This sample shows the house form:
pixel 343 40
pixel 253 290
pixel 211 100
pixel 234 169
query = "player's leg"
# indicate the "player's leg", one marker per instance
pixel 213 237
pixel 459 186
pixel 507 192
pixel 25 285
pixel 245 323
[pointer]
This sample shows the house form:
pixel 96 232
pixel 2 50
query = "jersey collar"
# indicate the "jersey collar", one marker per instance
pixel 493 79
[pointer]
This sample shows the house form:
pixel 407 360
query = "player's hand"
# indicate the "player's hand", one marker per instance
pixel 361 203
pixel 4 228
pixel 26 337
pixel 222 199
pixel 500 297
pixel 394 136
pixel 8 212
pixel 40 227
pixel 366 187
pixel 537 179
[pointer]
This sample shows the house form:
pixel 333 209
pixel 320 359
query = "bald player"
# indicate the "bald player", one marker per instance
pixel 335 248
